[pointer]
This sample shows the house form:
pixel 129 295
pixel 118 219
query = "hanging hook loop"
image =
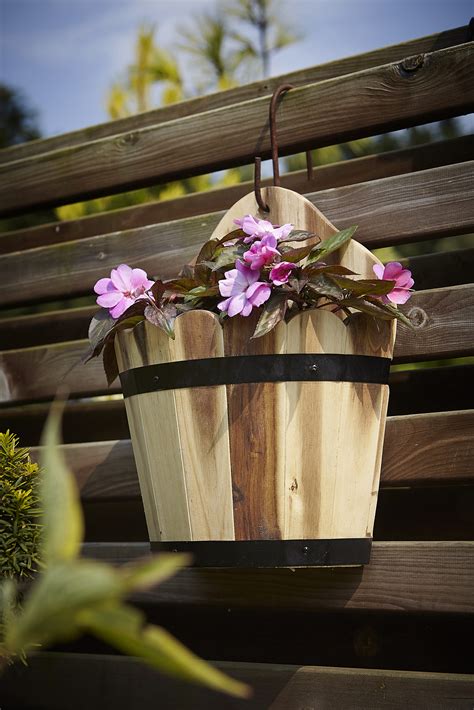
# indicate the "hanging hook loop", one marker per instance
pixel 279 91
pixel 257 185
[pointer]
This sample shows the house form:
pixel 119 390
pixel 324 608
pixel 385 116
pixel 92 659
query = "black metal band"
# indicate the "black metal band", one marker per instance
pixel 273 553
pixel 243 369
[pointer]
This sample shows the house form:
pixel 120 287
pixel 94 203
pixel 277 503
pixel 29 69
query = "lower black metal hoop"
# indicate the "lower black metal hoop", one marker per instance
pixel 273 553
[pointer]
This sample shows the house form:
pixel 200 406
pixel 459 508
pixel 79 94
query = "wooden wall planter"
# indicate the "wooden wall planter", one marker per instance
pixel 261 452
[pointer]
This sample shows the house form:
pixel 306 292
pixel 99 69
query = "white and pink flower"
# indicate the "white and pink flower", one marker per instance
pixel 281 272
pixel 394 271
pixel 122 289
pixel 258 228
pixel 262 252
pixel 242 291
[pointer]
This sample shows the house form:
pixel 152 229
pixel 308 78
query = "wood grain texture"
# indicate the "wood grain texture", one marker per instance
pixel 433 577
pixel 118 682
pixel 434 312
pixel 371 690
pixel 204 437
pixel 180 437
pixel 428 442
pixel 152 420
pixel 320 72
pixel 375 100
pixel 256 437
pixel 413 207
pixel 291 482
pixel 443 328
pixel 348 172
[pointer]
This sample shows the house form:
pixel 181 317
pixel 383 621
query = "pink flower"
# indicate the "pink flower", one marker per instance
pixel 262 252
pixel 394 271
pixel 280 273
pixel 122 289
pixel 258 228
pixel 242 291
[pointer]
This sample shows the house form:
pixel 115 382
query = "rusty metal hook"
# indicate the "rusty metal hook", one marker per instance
pixel 279 91
pixel 257 185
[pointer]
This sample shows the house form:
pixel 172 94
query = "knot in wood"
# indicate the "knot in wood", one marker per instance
pixel 128 139
pixel 418 317
pixel 410 65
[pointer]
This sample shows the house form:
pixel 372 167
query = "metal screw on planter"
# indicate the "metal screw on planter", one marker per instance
pixel 262 452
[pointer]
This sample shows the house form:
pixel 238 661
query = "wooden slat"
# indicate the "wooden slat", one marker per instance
pixel 105 681
pixel 374 689
pixel 374 100
pixel 452 268
pixel 348 172
pixel 443 322
pixel 254 90
pixel 428 204
pixel 107 469
pixel 443 328
pixel 420 576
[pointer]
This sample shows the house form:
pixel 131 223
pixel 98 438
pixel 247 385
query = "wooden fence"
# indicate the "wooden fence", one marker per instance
pixel 410 612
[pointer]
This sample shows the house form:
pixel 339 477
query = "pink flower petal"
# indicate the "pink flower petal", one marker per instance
pixel 247 309
pixel 236 304
pixel 121 307
pixel 139 279
pixel 109 300
pixel 121 278
pixel 103 285
pixel 399 295
pixel 378 270
pixel 283 231
pixel 392 270
pixel 258 293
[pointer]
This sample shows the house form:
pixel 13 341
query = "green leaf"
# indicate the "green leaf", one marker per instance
pixel 273 312
pixel 227 257
pixel 394 311
pixel 121 626
pixel 336 241
pixel 99 327
pixel 109 360
pixel 295 255
pixel 64 589
pixel 141 575
pixel 323 285
pixel 181 285
pixel 163 318
pixel 298 235
pixel 62 514
pixel 362 287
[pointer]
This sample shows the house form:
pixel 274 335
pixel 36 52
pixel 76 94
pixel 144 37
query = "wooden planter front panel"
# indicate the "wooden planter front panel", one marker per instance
pixel 285 460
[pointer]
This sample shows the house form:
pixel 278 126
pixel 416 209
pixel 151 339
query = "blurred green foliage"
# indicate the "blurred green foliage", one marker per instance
pixel 20 526
pixel 73 595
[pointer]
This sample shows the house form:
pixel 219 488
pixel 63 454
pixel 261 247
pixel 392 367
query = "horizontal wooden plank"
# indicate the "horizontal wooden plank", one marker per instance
pixel 106 469
pixel 411 576
pixel 437 389
pixel 348 172
pixel 119 682
pixel 428 204
pixel 433 86
pixel 310 75
pixel 443 321
pixel 443 268
pixel 377 689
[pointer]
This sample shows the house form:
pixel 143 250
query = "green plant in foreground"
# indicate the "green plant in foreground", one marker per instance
pixel 20 526
pixel 74 595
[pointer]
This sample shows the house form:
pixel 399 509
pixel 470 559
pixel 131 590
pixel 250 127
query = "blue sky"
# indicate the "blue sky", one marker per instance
pixel 64 54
